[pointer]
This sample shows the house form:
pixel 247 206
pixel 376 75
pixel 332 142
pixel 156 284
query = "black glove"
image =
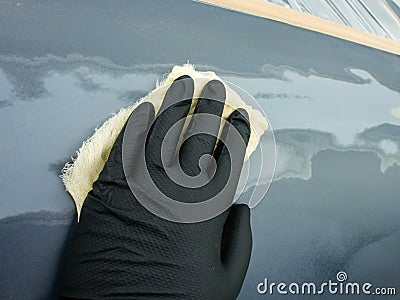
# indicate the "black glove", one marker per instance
pixel 121 250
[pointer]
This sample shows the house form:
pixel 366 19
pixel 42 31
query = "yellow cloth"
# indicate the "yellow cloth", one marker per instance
pixel 78 176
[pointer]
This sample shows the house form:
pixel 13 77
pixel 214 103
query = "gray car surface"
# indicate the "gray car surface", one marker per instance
pixel 334 204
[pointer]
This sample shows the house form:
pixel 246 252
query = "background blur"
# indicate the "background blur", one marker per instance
pixel 379 17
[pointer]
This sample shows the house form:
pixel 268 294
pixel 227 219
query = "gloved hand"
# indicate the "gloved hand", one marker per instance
pixel 121 250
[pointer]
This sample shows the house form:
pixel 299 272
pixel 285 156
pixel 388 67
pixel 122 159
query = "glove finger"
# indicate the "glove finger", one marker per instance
pixel 135 132
pixel 132 140
pixel 175 106
pixel 236 246
pixel 211 102
pixel 231 148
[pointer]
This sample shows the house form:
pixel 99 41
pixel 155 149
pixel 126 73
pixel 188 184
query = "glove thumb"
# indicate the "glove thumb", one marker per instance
pixel 236 245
